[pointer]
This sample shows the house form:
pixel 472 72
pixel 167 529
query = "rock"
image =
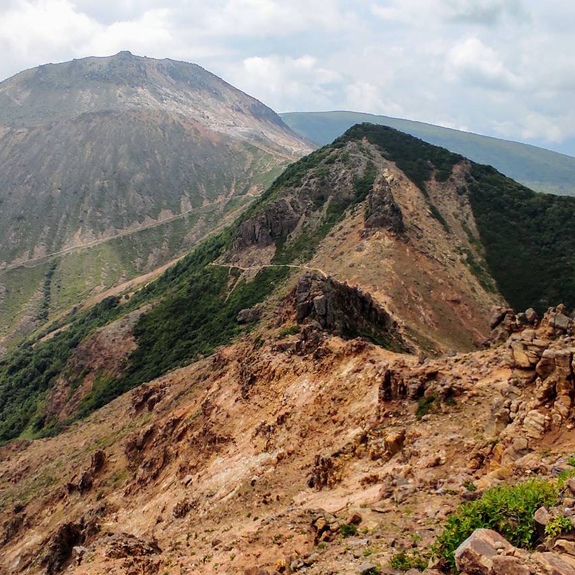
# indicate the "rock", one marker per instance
pixel 561 321
pixel 78 553
pixel 382 211
pixel 433 460
pixel 564 546
pixel 535 424
pixel 256 571
pixel 147 396
pixel 498 315
pixel 509 565
pixel 524 354
pixel 475 555
pixel 531 315
pixel 554 563
pixel 61 545
pixel 355 519
pixel 542 516
pixel 369 569
pixel 343 310
pixel 394 441
pixel 249 315
pixel 571 485
pixel 122 545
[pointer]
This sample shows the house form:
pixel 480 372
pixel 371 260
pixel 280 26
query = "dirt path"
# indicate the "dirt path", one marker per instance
pixel 33 262
pixel 259 267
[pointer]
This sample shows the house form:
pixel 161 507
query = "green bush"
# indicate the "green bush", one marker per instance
pixel 405 560
pixel 348 530
pixel 507 509
pixel 558 526
pixel 424 406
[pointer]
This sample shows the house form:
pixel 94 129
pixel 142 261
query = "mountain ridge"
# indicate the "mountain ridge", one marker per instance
pixel 538 168
pixel 409 225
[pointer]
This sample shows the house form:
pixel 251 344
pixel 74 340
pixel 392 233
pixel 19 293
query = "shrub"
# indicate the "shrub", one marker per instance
pixel 405 560
pixel 507 509
pixel 558 526
pixel 348 530
pixel 424 406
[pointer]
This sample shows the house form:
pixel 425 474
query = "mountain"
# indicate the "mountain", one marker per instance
pixel 333 372
pixel 537 168
pixel 97 153
pixel 422 242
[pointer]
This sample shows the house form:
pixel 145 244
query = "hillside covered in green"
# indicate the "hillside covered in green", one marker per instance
pixel 534 167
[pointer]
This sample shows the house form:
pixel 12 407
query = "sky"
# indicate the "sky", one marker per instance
pixel 504 68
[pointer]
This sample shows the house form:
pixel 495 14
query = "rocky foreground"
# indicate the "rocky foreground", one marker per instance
pixel 307 454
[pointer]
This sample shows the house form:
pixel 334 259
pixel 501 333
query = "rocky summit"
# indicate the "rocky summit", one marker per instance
pixel 370 370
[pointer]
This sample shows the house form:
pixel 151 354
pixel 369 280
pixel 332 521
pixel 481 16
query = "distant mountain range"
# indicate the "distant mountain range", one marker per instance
pixel 537 168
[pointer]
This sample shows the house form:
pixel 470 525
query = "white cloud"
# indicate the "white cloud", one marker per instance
pixel 286 80
pixel 32 29
pixel 474 62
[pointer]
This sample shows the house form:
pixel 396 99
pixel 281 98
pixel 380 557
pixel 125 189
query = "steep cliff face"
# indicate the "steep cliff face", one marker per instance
pixel 101 153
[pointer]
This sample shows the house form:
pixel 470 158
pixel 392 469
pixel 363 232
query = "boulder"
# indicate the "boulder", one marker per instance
pixel 554 564
pixel 561 321
pixel 475 555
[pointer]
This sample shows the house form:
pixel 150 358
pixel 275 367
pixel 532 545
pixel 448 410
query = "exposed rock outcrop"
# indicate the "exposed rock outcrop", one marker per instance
pixel 345 311
pixel 382 211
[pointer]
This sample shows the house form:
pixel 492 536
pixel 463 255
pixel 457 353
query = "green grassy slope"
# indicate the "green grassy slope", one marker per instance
pixel 536 168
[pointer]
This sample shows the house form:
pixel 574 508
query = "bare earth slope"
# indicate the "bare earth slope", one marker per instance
pixel 255 460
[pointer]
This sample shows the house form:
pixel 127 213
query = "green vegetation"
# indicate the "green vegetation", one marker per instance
pixel 348 530
pixel 507 509
pixel 537 168
pixel 28 373
pixel 529 240
pixel 287 331
pixel 479 272
pixel 404 560
pixel 558 526
pixel 470 486
pixel 424 406
pixel 364 183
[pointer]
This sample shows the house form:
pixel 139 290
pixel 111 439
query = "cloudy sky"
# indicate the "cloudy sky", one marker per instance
pixel 498 67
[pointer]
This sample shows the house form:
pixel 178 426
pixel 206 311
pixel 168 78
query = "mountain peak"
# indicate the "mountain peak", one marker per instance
pixel 124 81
